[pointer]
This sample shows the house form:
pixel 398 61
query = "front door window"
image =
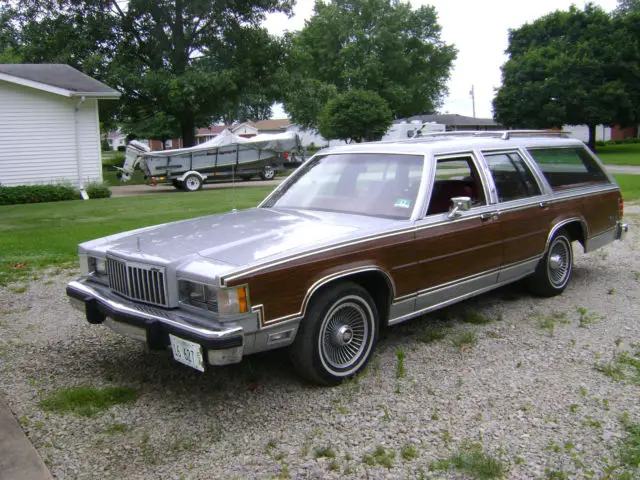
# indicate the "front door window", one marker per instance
pixel 455 177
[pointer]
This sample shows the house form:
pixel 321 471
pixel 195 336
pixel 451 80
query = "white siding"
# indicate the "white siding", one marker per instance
pixel 581 132
pixel 38 138
pixel 245 130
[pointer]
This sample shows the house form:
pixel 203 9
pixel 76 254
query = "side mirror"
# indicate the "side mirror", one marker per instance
pixel 458 205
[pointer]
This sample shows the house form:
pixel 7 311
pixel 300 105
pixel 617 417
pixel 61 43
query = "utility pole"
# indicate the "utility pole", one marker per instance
pixel 473 100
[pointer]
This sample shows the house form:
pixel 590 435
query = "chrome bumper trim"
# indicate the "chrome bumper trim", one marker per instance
pixel 125 311
pixel 621 230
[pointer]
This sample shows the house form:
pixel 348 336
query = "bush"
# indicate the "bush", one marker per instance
pixel 122 148
pixel 49 193
pixel 37 194
pixel 98 190
pixel 620 141
pixel 104 145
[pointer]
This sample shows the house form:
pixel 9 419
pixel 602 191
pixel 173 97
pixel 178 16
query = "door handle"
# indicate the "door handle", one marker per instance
pixel 544 204
pixel 489 215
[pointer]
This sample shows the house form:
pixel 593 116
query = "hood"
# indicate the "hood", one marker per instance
pixel 239 238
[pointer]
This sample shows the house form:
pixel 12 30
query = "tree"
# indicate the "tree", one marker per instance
pixel 356 115
pixel 378 45
pixel 174 61
pixel 628 6
pixel 570 67
pixel 8 36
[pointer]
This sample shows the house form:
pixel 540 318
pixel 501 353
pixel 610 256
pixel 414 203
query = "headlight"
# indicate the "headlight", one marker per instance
pixel 198 295
pixel 227 301
pixel 97 266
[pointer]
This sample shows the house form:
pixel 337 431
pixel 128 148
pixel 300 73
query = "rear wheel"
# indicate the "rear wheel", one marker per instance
pixel 554 270
pixel 336 337
pixel 192 183
pixel 268 173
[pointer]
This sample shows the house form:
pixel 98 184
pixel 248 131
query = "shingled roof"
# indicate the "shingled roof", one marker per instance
pixel 56 78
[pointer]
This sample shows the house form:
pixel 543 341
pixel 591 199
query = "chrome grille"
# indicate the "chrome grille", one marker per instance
pixel 137 282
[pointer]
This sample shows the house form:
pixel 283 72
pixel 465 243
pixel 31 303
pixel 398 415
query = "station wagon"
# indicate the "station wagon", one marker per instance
pixel 360 237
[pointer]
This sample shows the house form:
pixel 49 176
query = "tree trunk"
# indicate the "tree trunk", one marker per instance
pixel 592 137
pixel 187 129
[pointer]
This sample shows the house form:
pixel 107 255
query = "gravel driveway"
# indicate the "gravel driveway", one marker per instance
pixel 527 392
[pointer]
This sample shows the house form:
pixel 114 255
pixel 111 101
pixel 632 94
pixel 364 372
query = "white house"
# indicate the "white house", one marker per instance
pixel 49 128
pixel 581 132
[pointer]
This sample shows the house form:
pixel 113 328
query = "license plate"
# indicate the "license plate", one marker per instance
pixel 186 352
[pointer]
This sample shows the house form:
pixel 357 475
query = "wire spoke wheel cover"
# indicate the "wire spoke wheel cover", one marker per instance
pixel 345 336
pixel 337 335
pixel 559 262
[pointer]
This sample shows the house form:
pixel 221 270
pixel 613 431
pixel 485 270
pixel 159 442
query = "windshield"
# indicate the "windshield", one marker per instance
pixel 380 185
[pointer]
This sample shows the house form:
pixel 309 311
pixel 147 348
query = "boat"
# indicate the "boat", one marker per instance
pixel 225 156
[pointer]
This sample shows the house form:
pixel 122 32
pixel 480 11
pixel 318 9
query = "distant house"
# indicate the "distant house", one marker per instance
pixel 276 125
pixel 115 138
pixel 245 129
pixel 49 127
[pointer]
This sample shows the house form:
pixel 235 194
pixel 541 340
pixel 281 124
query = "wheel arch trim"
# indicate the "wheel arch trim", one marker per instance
pixel 564 223
pixel 322 282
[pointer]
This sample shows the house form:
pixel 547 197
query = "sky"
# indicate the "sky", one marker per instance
pixel 478 28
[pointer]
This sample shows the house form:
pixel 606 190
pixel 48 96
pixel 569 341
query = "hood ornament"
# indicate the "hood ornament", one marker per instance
pixel 138 243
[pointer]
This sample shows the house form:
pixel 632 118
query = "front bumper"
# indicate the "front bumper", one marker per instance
pixel 621 230
pixel 223 344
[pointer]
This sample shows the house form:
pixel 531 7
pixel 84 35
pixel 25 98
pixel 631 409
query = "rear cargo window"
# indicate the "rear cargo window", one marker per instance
pixel 568 167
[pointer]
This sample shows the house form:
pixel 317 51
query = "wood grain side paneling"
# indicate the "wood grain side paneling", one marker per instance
pixel 281 289
pixel 601 211
pixel 525 232
pixel 458 249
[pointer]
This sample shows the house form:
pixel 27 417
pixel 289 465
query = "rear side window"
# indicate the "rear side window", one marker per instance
pixel 568 167
pixel 511 176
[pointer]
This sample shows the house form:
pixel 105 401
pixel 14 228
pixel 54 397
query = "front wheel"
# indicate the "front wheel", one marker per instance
pixel 336 337
pixel 192 183
pixel 554 270
pixel 268 173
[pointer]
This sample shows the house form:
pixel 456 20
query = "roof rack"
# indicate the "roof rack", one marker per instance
pixel 502 134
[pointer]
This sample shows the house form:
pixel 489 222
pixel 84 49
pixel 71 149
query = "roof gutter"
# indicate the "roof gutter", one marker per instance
pixel 99 95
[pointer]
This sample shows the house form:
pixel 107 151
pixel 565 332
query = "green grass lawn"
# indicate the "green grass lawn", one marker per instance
pixel 623 154
pixel 109 174
pixel 110 177
pixel 112 157
pixel 47 234
pixel 629 184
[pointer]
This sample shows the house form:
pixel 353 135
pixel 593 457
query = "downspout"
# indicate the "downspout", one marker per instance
pixel 83 192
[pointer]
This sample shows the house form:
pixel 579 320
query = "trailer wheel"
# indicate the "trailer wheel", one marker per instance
pixel 192 183
pixel 268 173
pixel 177 184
